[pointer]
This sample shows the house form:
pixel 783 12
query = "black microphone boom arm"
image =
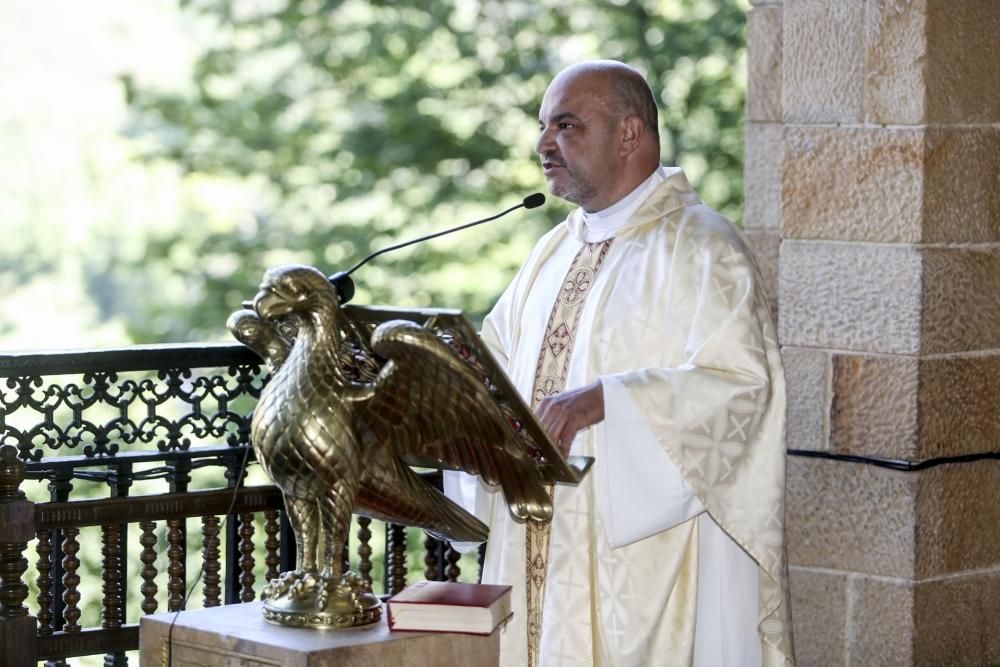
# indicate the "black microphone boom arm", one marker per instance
pixel 342 279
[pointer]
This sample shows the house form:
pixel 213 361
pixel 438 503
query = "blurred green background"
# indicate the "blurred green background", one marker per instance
pixel 157 156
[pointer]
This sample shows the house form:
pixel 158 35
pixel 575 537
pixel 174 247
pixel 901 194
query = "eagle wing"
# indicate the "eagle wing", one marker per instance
pixel 431 407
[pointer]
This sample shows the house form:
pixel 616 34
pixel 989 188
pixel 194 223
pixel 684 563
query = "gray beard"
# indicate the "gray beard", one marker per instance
pixel 576 191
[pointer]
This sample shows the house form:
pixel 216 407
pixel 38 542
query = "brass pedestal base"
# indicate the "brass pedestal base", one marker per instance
pixel 312 600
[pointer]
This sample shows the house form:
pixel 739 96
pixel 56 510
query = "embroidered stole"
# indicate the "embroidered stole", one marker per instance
pixel 550 378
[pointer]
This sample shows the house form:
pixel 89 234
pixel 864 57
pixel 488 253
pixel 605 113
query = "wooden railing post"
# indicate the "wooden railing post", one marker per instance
pixel 18 639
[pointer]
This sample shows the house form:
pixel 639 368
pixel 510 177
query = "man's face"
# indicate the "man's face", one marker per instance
pixel 578 144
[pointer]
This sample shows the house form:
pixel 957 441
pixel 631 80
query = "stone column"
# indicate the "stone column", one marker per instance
pixel 763 145
pixel 887 155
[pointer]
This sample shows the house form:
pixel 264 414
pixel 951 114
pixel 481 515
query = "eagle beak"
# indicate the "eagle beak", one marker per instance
pixel 269 305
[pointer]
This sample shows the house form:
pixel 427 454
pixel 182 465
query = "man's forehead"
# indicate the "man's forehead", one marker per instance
pixel 576 96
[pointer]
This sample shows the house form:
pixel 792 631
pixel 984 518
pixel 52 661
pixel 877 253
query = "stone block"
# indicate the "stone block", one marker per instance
pixel 931 61
pixel 895 89
pixel 238 636
pixel 957 620
pixel 962 184
pixel 910 525
pixel 963 79
pixel 873 408
pixel 807 376
pixel 957 405
pixel 764 63
pixel 764 244
pixel 930 185
pixel 850 296
pixel 764 151
pixel 951 621
pixel 896 407
pixel 859 184
pixel 850 516
pixel 958 518
pixel 819 616
pixel 880 627
pixel 823 61
pixel 960 297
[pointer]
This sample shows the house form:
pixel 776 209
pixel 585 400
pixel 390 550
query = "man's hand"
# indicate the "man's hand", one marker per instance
pixel 562 415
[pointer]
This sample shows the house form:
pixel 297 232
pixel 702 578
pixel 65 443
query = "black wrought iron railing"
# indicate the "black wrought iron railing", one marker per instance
pixel 118 484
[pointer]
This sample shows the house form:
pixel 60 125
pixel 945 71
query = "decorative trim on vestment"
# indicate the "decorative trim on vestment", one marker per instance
pixel 551 372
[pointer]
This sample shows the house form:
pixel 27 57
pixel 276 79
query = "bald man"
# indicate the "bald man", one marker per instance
pixel 638 331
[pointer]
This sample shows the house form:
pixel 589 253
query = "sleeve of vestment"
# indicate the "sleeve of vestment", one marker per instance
pixel 708 401
pixel 641 490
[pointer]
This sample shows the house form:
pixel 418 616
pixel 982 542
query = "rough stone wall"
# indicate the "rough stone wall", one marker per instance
pixel 873 202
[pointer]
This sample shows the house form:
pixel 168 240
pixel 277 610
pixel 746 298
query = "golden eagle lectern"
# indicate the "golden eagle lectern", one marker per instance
pixel 355 397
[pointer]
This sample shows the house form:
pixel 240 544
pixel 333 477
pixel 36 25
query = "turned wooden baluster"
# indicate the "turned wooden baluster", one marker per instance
pixel 70 580
pixel 111 603
pixel 271 545
pixel 148 572
pixel 116 568
pixel 44 582
pixel 17 518
pixel 210 556
pixel 178 478
pixel 452 572
pixel 395 555
pixel 364 548
pixel 175 565
pixel 432 569
pixel 60 486
pixel 246 557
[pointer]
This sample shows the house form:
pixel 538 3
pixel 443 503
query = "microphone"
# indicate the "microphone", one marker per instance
pixel 345 286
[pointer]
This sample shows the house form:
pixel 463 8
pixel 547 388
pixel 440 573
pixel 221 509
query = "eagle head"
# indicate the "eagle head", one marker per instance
pixel 293 289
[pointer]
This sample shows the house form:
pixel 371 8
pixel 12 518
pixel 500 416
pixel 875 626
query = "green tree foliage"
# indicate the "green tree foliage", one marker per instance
pixel 356 124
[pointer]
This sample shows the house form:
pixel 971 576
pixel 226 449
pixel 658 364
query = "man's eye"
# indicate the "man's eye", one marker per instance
pixel 566 126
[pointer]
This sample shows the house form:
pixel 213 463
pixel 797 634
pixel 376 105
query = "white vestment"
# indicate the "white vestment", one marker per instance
pixel 671 551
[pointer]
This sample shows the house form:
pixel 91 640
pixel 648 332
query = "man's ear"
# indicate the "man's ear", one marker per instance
pixel 632 132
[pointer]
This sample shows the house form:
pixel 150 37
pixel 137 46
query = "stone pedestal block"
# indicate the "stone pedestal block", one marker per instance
pixel 238 636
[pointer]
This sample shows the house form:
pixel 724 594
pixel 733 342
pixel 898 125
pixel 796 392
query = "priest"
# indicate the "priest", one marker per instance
pixel 639 332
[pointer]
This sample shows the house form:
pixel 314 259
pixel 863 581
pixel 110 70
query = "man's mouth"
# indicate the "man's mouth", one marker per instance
pixel 549 166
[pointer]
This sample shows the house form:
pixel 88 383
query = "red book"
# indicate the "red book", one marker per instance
pixel 441 606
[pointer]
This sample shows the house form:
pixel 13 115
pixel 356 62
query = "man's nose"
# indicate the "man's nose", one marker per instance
pixel 545 143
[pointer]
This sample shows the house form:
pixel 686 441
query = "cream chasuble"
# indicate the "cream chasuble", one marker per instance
pixel 679 525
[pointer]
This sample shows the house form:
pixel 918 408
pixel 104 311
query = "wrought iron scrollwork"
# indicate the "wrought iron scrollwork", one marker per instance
pixel 98 413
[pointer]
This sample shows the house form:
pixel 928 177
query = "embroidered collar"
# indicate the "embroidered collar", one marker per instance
pixel 665 190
